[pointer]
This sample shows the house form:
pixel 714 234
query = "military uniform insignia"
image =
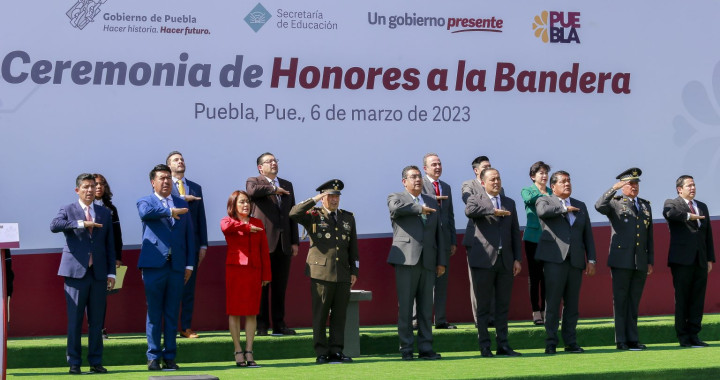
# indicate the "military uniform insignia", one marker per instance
pixel 343 237
pixel 327 235
pixel 319 235
pixel 346 225
pixel 323 224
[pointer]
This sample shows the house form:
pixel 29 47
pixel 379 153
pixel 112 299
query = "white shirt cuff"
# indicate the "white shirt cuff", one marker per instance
pixel 81 223
pixel 189 267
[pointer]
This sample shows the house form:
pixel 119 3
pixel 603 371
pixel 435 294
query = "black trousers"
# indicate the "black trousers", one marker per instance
pixel 690 282
pixel 536 280
pixel 272 299
pixel 492 284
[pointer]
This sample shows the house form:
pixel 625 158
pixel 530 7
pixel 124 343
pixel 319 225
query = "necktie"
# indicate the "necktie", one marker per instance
pixel 634 206
pixel 170 219
pixel 89 219
pixel 497 202
pixel 181 187
pixel 692 211
pixel 436 185
pixel 333 216
pixel 277 196
pixel 422 216
pixel 570 215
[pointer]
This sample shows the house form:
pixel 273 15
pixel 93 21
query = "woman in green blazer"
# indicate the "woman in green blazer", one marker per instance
pixel 539 175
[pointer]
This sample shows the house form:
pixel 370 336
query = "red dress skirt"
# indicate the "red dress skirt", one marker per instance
pixel 243 286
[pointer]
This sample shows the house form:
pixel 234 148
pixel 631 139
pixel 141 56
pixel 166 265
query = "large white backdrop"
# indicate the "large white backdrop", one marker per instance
pixel 63 111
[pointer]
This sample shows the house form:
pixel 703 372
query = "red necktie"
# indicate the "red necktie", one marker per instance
pixel 436 185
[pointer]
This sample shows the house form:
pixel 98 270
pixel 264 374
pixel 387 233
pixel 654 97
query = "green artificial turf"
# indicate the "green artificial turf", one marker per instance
pixel 216 346
pixel 662 361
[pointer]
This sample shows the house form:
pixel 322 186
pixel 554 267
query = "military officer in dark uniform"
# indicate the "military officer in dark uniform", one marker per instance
pixel 332 265
pixel 631 253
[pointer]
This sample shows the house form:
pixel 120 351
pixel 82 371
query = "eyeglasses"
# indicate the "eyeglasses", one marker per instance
pixel 275 160
pixel 414 176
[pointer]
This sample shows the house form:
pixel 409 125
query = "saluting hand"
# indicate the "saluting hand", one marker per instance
pixel 572 209
pixel 280 191
pixel 499 212
pixel 427 210
pixel 91 224
pixel 176 212
pixel 190 198
pixel 619 185
pixel 255 228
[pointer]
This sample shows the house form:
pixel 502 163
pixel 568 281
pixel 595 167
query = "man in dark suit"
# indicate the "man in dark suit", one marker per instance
pixel 191 192
pixel 88 266
pixel 273 198
pixel 332 265
pixel 432 185
pixel 494 258
pixel 166 260
pixel 417 258
pixel 690 259
pixel 631 255
pixel 565 244
pixel 468 188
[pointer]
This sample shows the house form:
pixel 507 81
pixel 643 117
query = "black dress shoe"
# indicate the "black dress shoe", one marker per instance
pixel 407 355
pixel 98 368
pixel 339 357
pixel 321 359
pixel 622 346
pixel 75 369
pixel 574 349
pixel 636 346
pixel 445 326
pixel 697 343
pixel 486 352
pixel 429 355
pixel 170 365
pixel 507 351
pixel 261 332
pixel 550 349
pixel 685 344
pixel 153 365
pixel 284 331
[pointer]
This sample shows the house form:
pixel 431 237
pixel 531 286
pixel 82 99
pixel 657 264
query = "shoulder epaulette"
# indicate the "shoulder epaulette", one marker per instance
pixel 345 211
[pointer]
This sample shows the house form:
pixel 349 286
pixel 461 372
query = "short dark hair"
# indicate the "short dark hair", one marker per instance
pixel 536 167
pixel 478 160
pixel 482 173
pixel 159 168
pixel 263 155
pixel 83 177
pixel 232 203
pixel 407 169
pixel 681 181
pixel 554 176
pixel 167 160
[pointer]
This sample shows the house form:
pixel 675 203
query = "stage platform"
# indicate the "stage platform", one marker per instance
pixel 216 346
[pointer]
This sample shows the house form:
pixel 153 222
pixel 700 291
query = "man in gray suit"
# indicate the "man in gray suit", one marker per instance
pixel 631 253
pixel 470 187
pixel 565 244
pixel 432 185
pixel 417 258
pixel 494 258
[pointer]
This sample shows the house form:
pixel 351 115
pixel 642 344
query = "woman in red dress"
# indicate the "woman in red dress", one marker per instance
pixel 247 270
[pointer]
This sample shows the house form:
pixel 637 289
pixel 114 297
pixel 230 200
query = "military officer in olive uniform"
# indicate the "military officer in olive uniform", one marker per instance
pixel 332 265
pixel 631 253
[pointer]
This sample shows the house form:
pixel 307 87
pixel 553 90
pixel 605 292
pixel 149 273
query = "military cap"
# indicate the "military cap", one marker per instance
pixel 632 174
pixel 332 186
